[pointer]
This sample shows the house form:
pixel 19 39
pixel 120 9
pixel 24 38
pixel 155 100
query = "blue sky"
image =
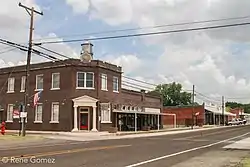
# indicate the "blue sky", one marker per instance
pixel 217 61
pixel 60 19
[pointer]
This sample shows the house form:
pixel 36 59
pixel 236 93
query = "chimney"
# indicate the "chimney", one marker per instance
pixel 87 52
pixel 143 95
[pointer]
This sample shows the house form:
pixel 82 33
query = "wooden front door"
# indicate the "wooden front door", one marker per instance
pixel 84 122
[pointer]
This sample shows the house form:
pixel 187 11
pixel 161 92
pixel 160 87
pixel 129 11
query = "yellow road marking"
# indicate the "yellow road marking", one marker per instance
pixel 66 151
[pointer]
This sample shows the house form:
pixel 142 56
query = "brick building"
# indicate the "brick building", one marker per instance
pixel 206 114
pixel 184 115
pixel 76 94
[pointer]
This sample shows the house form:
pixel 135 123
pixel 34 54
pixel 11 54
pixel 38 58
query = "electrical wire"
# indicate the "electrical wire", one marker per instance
pixel 146 34
pixel 151 27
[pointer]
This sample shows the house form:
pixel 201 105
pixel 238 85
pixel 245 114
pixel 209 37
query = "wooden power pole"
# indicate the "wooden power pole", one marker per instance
pixel 31 12
pixel 223 110
pixel 193 108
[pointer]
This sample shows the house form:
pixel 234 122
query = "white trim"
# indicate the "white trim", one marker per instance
pixel 104 78
pixel 52 111
pixel 23 84
pixel 85 80
pixel 52 81
pixel 38 121
pixel 103 112
pixel 39 75
pixel 54 122
pixel 9 121
pixel 10 80
pixel 117 79
pixel 8 113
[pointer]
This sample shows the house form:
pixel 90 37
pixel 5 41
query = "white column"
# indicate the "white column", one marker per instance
pixel 94 120
pixel 174 120
pixel 158 121
pixel 75 119
pixel 135 122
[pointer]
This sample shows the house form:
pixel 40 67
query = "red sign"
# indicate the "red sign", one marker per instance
pixel 16 114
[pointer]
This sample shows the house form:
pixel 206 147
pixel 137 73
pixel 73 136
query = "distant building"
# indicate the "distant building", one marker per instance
pixel 77 94
pixel 205 114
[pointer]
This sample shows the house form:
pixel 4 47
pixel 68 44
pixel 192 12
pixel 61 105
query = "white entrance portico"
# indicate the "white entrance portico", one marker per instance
pixel 84 101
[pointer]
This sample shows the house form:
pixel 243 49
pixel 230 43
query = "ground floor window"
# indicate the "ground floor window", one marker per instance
pixel 126 122
pixel 39 113
pixel 105 113
pixel 55 112
pixel 10 112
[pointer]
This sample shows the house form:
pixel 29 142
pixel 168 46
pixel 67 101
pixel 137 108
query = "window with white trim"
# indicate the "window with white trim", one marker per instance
pixel 85 80
pixel 10 112
pixel 55 112
pixel 104 79
pixel 11 85
pixel 39 113
pixel 105 113
pixel 39 82
pixel 23 80
pixel 55 83
pixel 115 84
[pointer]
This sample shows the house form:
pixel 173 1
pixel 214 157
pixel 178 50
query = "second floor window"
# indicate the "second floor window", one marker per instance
pixel 115 84
pixel 39 82
pixel 85 80
pixel 104 83
pixel 11 84
pixel 55 81
pixel 23 80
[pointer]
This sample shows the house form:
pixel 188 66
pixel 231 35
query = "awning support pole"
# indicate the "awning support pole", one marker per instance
pixel 174 120
pixel 135 122
pixel 158 122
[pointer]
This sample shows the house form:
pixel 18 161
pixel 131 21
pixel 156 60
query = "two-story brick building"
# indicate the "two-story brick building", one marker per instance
pixel 76 94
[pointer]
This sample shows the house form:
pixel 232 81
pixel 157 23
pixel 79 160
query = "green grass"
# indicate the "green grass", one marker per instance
pixel 246 162
pixel 15 137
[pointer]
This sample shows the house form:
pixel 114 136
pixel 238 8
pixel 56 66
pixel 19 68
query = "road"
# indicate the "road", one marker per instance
pixel 160 151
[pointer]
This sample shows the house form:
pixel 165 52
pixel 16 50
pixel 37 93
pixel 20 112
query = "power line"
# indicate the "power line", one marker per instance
pixel 48 56
pixel 146 34
pixel 6 51
pixel 151 27
pixel 49 50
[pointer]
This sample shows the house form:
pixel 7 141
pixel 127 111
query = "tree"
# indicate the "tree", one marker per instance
pixel 172 94
pixel 233 105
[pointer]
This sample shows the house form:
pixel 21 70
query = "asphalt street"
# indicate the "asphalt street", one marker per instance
pixel 160 151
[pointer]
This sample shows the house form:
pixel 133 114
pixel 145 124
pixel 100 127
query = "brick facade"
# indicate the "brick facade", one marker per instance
pixel 184 115
pixel 68 90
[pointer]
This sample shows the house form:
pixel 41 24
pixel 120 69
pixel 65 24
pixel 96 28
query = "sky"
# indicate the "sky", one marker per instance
pixel 215 61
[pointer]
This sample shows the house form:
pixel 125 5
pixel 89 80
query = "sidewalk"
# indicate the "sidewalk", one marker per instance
pixel 243 144
pixel 107 136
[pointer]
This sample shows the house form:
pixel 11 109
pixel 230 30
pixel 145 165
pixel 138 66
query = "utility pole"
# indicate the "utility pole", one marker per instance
pixel 193 108
pixel 31 12
pixel 223 108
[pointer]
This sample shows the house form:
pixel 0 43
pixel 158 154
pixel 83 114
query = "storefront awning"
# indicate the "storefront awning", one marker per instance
pixel 138 112
pixel 217 111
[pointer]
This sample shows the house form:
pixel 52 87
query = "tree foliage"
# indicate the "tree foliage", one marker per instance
pixel 173 95
pixel 233 105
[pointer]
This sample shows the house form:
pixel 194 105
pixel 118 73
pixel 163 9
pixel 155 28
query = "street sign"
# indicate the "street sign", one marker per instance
pixel 23 114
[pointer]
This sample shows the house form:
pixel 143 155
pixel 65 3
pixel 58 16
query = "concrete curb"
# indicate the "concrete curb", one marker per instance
pixel 104 134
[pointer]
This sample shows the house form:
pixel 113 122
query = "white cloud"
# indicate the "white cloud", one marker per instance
pixel 79 6
pixel 14 26
pixel 202 58
pixel 129 63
